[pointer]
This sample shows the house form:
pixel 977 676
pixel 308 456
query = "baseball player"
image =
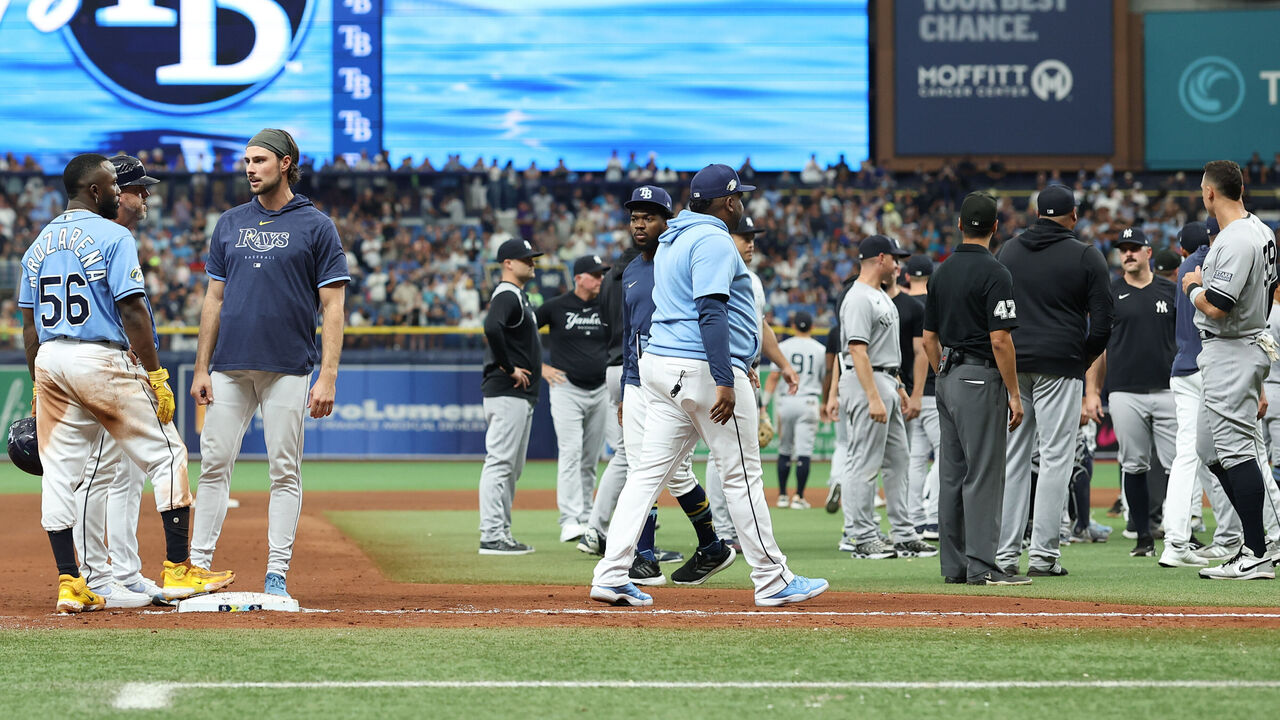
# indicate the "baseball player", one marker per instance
pixel 915 364
pixel 1062 297
pixel 695 376
pixel 1165 264
pixel 872 400
pixel 923 433
pixel 1272 390
pixel 1231 296
pixel 512 377
pixel 712 555
pixel 276 251
pixel 1187 475
pixel 798 414
pixel 835 485
pixel 744 239
pixel 110 495
pixel 1137 360
pixel 81 275
pixel 579 398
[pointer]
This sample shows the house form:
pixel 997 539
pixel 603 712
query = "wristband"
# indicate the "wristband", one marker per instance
pixel 1196 292
pixel 1193 287
pixel 765 399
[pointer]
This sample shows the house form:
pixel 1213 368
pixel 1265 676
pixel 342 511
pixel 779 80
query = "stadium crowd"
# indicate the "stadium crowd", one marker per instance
pixel 420 241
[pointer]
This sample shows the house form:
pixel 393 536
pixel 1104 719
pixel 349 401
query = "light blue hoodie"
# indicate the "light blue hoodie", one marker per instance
pixel 696 258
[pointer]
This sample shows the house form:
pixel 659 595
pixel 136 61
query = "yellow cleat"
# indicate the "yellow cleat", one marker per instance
pixel 182 580
pixel 74 596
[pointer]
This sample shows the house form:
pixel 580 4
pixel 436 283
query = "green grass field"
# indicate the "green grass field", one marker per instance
pixel 815 672
pixel 457 673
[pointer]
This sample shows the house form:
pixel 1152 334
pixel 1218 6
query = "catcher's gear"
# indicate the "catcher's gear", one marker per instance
pixel 765 430
pixel 164 394
pixel 23 450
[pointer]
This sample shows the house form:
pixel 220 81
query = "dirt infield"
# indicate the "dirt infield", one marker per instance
pixel 343 588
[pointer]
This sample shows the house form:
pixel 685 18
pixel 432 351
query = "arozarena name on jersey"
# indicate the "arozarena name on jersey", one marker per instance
pixel 73 240
pixel 371 410
pixel 262 241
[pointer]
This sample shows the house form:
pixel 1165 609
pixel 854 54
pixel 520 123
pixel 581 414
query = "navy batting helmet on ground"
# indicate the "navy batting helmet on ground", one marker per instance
pixel 22 446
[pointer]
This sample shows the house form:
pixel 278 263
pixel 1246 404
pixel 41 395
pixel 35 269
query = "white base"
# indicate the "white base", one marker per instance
pixel 237 602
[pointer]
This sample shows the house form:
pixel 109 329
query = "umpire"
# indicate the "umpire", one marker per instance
pixel 512 379
pixel 969 313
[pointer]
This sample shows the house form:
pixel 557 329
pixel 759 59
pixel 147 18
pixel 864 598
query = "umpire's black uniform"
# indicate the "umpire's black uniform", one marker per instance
pixel 971 296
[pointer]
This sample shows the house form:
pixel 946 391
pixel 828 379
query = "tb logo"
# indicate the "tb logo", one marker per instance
pixel 186 56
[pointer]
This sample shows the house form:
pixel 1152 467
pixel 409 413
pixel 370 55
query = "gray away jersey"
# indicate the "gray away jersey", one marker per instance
pixel 869 316
pixel 1273 327
pixel 1241 265
pixel 809 358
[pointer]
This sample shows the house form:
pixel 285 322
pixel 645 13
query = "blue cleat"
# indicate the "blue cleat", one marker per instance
pixel 274 585
pixel 798 590
pixel 623 595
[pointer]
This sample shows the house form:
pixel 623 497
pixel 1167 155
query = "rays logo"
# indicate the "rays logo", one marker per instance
pixel 180 56
pixel 262 241
pixel 1211 89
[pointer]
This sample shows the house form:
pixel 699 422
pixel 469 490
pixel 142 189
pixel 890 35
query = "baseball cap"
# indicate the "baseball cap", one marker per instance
pixel 650 195
pixel 1212 226
pixel 879 244
pixel 1056 201
pixel 715 181
pixel 747 226
pixel 589 264
pixel 131 171
pixel 802 321
pixel 1167 261
pixel 1133 236
pixel 1193 236
pixel 919 266
pixel 517 250
pixel 978 210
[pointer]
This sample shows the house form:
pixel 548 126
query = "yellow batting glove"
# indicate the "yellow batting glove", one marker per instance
pixel 164 394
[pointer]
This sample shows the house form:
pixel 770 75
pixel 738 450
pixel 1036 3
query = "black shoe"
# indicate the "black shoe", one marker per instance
pixel 646 572
pixel 1146 547
pixel 993 577
pixel 954 579
pixel 1194 543
pixel 704 564
pixel 504 547
pixel 1010 569
pixel 668 556
pixel 833 498
pixel 1054 570
pixel 915 548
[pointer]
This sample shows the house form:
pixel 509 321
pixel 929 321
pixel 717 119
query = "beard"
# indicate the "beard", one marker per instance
pixel 267 186
pixel 109 208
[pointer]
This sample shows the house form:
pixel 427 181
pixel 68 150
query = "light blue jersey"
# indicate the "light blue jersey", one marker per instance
pixel 696 258
pixel 73 274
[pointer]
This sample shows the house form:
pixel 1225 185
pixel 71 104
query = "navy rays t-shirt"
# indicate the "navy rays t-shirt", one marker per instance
pixel 274 263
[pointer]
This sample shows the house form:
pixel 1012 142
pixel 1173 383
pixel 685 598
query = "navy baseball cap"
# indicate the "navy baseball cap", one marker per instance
pixel 1056 201
pixel 517 250
pixel 1212 226
pixel 650 195
pixel 802 321
pixel 1193 236
pixel 589 264
pixel 747 226
pixel 1167 261
pixel 131 171
pixel 715 181
pixel 919 266
pixel 978 210
pixel 877 245
pixel 1133 236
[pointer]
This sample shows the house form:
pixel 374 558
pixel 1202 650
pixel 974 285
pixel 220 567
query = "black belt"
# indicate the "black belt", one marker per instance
pixel 970 360
pixel 106 343
pixel 1206 335
pixel 885 370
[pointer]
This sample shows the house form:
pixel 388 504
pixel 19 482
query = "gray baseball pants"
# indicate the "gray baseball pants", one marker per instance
pixel 1051 406
pixel 1271 423
pixel 1188 476
pixel 874 449
pixel 922 489
pixel 579 416
pixel 506 444
pixel 973 414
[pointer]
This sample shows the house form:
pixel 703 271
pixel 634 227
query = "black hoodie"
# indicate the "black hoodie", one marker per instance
pixel 1063 295
pixel 611 303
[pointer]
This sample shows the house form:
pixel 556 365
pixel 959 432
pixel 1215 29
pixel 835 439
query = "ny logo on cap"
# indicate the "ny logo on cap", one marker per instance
pixel 732 184
pixel 527 246
pixel 645 194
pixel 596 259
pixel 1128 232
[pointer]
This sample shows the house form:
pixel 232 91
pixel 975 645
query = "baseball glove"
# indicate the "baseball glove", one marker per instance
pixel 765 430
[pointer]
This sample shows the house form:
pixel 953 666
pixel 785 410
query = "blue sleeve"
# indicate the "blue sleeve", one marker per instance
pixel 26 295
pixel 215 266
pixel 124 274
pixel 331 260
pixel 712 264
pixel 713 322
pixel 630 361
